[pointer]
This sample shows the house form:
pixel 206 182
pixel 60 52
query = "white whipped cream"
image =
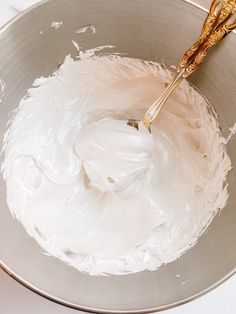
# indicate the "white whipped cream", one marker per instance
pixel 99 194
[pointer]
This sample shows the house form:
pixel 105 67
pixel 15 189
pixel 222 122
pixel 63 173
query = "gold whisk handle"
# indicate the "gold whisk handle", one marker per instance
pixel 212 40
pixel 206 29
pixel 215 28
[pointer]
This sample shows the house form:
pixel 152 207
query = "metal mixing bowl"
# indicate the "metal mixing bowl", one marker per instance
pixel 148 29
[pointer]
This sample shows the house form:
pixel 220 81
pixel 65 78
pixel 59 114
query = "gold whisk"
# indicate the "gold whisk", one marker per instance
pixel 218 23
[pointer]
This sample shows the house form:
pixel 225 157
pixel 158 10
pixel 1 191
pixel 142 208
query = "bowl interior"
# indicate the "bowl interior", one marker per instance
pixel 154 30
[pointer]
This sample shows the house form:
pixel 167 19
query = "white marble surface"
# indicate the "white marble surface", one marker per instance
pixel 15 299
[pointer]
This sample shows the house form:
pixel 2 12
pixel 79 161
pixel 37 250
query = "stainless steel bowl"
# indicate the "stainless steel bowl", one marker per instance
pixel 155 30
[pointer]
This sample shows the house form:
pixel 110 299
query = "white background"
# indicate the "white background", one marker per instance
pixel 15 299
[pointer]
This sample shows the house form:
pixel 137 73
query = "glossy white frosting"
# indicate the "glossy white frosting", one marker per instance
pixel 95 192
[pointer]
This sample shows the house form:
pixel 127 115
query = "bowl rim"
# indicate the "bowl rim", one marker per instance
pixel 86 309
